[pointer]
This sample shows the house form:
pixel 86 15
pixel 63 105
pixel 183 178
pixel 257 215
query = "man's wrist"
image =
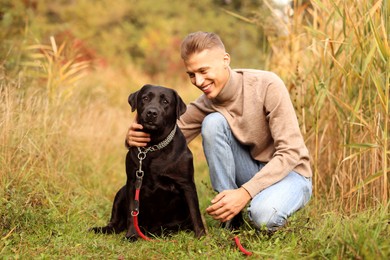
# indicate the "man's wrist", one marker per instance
pixel 247 193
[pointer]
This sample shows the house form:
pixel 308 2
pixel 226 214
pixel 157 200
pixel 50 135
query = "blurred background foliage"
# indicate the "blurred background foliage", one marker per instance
pixel 146 34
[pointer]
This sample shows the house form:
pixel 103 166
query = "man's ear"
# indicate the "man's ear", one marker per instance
pixel 133 100
pixel 181 107
pixel 226 60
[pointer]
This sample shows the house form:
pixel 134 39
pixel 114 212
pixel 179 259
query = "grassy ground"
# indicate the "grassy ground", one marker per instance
pixel 48 219
pixel 62 164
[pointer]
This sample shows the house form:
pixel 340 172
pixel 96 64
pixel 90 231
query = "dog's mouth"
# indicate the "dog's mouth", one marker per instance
pixel 150 125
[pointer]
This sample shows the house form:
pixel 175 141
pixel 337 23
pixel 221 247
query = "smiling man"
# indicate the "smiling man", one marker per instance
pixel 208 70
pixel 251 137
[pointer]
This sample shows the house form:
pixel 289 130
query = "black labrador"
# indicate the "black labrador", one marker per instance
pixel 168 200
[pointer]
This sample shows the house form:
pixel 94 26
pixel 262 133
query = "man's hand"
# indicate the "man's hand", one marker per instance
pixel 135 136
pixel 228 203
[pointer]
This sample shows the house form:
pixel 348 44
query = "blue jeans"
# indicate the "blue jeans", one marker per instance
pixel 231 165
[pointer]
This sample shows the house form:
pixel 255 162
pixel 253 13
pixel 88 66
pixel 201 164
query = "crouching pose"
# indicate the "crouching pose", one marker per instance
pixel 251 137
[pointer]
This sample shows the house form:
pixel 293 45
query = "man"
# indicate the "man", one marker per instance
pixel 251 137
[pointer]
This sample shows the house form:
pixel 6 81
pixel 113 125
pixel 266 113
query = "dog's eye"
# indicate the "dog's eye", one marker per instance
pixel 145 98
pixel 165 102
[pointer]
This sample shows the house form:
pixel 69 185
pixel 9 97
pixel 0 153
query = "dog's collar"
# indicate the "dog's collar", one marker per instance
pixel 160 145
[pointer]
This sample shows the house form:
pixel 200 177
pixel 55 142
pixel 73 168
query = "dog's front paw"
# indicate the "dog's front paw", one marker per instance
pixel 200 232
pixel 102 230
pixel 131 237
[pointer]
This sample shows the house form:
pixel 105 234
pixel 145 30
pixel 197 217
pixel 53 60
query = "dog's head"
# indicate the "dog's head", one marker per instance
pixel 157 107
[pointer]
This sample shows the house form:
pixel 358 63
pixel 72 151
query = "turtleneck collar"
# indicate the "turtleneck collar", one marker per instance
pixel 230 90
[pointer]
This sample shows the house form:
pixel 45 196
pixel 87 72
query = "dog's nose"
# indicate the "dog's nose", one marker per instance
pixel 151 113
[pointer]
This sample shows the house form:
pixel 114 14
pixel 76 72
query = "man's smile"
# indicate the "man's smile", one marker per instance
pixel 206 89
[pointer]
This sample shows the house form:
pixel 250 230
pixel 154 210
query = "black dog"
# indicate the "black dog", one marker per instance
pixel 168 201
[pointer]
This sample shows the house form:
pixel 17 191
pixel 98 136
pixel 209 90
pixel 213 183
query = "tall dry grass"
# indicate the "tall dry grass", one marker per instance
pixel 59 126
pixel 336 63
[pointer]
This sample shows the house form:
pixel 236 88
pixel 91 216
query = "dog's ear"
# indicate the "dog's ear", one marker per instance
pixel 181 107
pixel 133 100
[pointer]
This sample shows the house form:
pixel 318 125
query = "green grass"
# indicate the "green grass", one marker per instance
pixel 42 220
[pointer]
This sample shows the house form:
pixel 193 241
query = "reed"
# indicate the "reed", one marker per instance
pixel 335 61
pixel 46 126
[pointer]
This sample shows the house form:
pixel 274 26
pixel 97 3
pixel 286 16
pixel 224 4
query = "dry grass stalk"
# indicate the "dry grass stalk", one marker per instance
pixel 343 102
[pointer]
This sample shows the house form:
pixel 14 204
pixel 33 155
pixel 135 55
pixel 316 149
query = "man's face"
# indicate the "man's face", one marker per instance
pixel 208 70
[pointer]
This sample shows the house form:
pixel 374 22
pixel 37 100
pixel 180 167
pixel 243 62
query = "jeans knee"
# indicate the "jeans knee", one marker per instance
pixel 212 125
pixel 268 217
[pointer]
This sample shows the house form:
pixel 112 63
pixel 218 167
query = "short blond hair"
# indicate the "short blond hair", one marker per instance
pixel 200 41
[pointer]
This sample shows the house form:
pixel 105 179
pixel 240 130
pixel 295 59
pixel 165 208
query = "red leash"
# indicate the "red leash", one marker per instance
pixel 242 249
pixel 138 183
pixel 142 151
pixel 135 219
pixel 135 211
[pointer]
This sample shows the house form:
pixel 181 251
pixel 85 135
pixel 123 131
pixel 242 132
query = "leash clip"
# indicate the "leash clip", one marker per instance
pixel 135 211
pixel 139 174
pixel 141 154
pixel 138 182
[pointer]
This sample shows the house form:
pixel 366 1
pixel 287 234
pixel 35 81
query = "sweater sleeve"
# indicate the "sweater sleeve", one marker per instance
pixel 287 139
pixel 190 122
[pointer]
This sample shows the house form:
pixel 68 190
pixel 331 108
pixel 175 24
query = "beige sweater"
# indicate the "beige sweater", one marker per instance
pixel 258 108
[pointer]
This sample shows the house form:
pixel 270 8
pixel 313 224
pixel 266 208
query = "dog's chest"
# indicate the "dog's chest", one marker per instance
pixel 158 173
